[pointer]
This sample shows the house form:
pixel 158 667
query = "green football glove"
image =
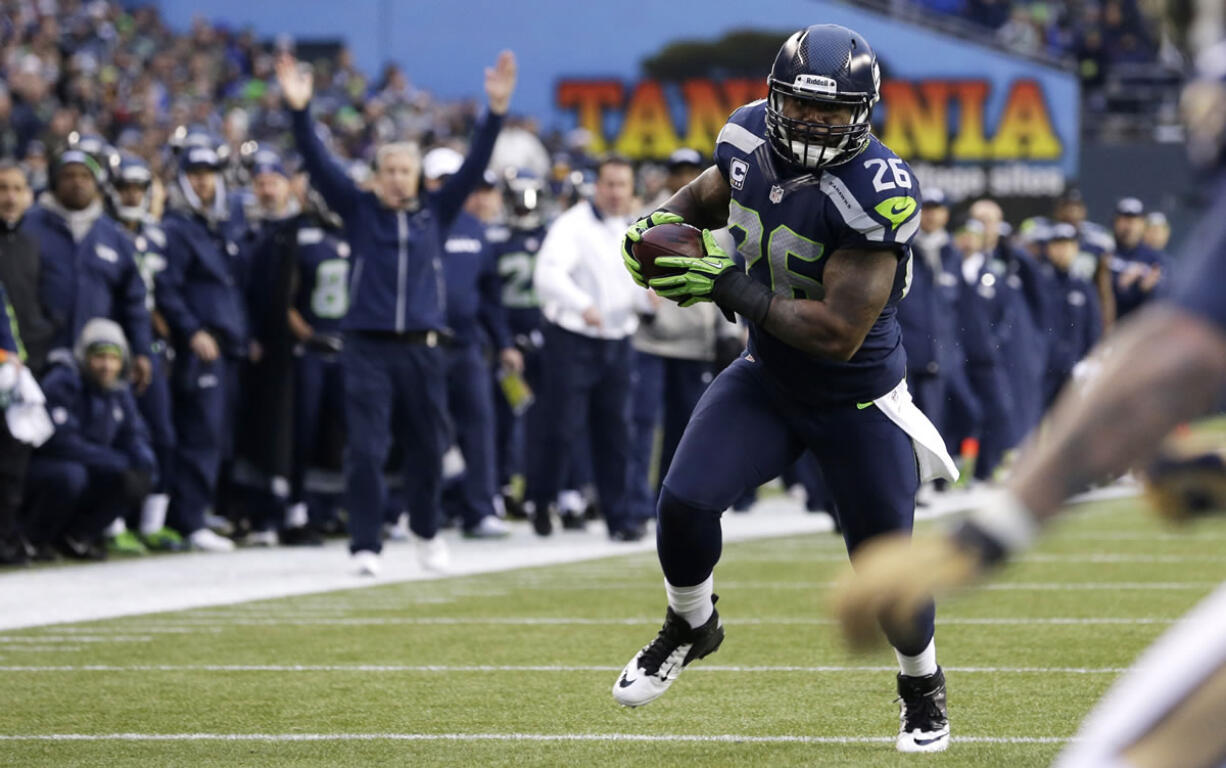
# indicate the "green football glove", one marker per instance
pixel 698 280
pixel 635 234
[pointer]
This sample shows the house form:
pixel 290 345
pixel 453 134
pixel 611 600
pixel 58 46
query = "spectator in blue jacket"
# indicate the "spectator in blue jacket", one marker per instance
pixel 1136 269
pixel 99 463
pixel 1017 314
pixel 321 300
pixel 983 398
pixel 1076 322
pixel 200 294
pixel 927 312
pixel 477 322
pixel 391 360
pixel 131 197
pixel 88 267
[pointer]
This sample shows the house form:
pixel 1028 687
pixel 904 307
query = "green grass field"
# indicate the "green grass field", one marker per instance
pixel 514 669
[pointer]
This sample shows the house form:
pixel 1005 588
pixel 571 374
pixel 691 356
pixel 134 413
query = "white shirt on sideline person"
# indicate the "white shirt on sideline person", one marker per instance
pixel 580 266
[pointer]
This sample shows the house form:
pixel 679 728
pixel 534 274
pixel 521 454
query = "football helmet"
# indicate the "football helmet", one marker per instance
pixel 130 171
pixel 195 146
pixel 523 194
pixel 97 148
pixel 824 64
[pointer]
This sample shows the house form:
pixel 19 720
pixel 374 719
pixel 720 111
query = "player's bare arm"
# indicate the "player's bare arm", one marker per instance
pixel 1164 369
pixel 703 202
pixel 858 285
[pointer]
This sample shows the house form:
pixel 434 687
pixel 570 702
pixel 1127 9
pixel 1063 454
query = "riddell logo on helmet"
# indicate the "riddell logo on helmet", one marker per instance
pixel 824 86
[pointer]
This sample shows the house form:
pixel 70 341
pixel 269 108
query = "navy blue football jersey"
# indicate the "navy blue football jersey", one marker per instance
pixel 323 282
pixel 149 243
pixel 516 255
pixel 786 223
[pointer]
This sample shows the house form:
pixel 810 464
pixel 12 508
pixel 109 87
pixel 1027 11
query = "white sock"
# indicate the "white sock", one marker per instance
pixel 296 515
pixel 919 666
pixel 153 513
pixel 116 527
pixel 570 501
pixel 692 603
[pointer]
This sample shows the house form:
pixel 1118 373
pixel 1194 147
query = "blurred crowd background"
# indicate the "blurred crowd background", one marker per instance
pixel 1001 315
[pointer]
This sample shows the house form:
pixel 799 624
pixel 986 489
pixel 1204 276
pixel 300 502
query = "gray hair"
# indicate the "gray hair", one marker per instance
pixel 410 148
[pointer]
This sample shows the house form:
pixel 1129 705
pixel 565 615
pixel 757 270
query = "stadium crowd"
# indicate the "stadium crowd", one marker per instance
pixel 179 247
pixel 1098 33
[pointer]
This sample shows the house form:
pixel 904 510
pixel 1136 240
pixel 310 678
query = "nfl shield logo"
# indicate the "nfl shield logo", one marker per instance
pixel 776 193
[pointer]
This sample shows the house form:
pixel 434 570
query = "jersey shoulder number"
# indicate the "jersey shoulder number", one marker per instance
pixel 877 195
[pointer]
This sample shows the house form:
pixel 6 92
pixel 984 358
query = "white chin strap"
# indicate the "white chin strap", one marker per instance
pixel 130 212
pixel 818 156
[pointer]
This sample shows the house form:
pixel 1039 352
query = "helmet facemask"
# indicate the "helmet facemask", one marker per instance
pixel 131 213
pixel 810 144
pixel 524 200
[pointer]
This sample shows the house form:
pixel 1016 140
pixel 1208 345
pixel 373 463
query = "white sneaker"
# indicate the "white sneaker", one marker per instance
pixel 368 562
pixel 923 720
pixel 432 553
pixel 398 531
pixel 297 515
pixel 207 541
pixel 218 523
pixel 490 527
pixel 653 669
pixel 266 538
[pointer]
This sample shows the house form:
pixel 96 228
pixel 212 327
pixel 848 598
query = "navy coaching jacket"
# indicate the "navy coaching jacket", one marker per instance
pixel 96 277
pixel 100 429
pixel 397 282
pixel 202 286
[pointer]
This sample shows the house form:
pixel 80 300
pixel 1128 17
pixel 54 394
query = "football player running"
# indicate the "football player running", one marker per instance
pixel 1167 364
pixel 824 215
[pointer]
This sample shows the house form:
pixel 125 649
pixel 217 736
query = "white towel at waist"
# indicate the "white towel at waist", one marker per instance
pixel 934 460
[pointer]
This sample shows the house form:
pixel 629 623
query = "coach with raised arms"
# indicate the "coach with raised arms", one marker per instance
pixel 391 360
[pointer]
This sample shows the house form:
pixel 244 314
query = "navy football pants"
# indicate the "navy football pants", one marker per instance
pixel 319 399
pixel 382 377
pixel 583 379
pixel 745 432
pixel 67 498
pixel 928 393
pixel 155 408
pixel 205 396
pixel 665 390
pixel 471 407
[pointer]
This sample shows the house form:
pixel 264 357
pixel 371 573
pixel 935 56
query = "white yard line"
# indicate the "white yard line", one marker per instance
pixel 44 596
pixel 558 737
pixel 7 640
pixel 486 668
pixel 187 624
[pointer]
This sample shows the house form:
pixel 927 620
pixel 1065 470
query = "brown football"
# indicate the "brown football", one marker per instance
pixel 667 240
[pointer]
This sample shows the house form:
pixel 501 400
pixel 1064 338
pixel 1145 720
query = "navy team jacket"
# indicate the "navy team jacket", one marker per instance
pixel 397 282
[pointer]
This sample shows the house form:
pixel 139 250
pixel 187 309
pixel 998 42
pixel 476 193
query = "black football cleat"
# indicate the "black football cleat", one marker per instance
pixel 513 506
pixel 653 669
pixel 923 718
pixel 542 520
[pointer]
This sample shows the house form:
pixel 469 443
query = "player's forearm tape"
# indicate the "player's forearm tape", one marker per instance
pixel 737 292
pixel 999 530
